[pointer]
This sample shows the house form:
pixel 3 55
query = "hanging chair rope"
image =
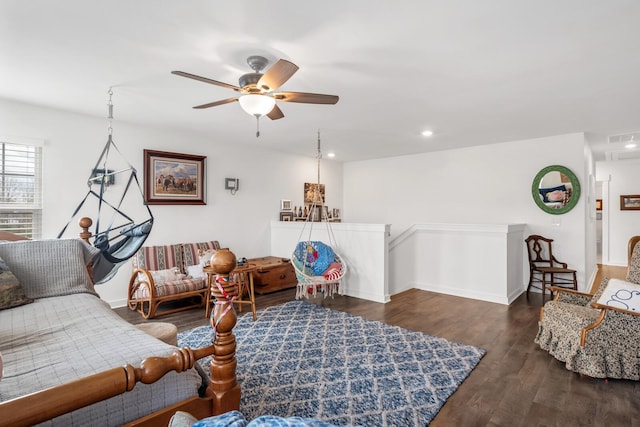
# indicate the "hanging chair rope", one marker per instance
pixel 117 242
pixel 317 199
pixel 318 266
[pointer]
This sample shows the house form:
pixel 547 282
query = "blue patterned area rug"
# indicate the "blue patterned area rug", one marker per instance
pixel 299 359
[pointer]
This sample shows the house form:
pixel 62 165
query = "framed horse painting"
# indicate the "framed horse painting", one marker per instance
pixel 173 178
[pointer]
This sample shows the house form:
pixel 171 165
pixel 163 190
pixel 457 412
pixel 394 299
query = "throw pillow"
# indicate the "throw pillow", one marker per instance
pixel 621 294
pixel 182 419
pixel 195 271
pixel 274 420
pixel 228 419
pixel 11 293
pixel 205 257
pixel 160 276
pixel 191 251
pixel 50 267
pixel 333 272
pixel 316 256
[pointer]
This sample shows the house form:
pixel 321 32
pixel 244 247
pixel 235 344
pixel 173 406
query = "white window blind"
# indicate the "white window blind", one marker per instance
pixel 21 189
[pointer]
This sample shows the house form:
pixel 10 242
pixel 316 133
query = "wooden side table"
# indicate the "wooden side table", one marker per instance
pixel 243 277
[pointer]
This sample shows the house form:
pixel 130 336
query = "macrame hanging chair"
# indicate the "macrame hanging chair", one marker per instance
pixel 318 265
pixel 123 235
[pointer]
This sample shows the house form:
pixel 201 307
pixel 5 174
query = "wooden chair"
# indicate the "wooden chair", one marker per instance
pixel 545 269
pixel 242 278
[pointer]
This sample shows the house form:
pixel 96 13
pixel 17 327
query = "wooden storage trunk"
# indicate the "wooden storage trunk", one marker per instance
pixel 273 274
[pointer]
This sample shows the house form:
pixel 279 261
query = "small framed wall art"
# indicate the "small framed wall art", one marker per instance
pixel 630 202
pixel 173 178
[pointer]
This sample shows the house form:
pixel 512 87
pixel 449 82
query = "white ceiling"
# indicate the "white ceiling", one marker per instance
pixel 475 72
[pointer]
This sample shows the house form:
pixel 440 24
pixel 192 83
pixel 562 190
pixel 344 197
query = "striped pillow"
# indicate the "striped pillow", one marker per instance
pixel 333 272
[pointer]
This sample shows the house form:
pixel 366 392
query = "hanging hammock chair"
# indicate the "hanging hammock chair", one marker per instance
pixel 318 266
pixel 123 235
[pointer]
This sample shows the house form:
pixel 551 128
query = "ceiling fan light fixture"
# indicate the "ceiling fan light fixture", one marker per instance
pixel 257 105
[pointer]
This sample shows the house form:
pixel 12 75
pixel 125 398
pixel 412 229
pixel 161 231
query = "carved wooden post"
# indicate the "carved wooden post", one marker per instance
pixel 85 223
pixel 85 234
pixel 223 319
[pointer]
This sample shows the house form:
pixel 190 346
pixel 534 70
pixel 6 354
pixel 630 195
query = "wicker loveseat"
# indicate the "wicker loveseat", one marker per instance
pixel 169 273
pixel 597 335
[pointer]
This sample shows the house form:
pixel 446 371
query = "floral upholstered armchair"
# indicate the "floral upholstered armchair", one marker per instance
pixel 597 335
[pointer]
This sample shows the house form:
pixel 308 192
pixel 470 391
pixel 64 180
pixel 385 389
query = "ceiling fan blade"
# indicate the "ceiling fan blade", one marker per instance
pixel 275 76
pixel 205 80
pixel 276 113
pixel 214 104
pixel 308 98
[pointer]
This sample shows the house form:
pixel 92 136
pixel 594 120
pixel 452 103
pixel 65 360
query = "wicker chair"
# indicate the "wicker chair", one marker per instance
pixel 591 337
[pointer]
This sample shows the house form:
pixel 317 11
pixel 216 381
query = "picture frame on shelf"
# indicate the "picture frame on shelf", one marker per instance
pixel 285 205
pixel 313 193
pixel 315 213
pixel 173 178
pixel 286 216
pixel 630 202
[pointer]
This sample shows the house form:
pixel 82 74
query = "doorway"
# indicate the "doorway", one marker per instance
pixel 599 203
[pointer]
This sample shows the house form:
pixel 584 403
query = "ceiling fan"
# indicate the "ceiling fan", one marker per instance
pixel 257 90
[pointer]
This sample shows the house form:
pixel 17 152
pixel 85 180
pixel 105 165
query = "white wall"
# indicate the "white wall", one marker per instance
pixel 483 261
pixel 72 145
pixel 488 184
pixel 618 178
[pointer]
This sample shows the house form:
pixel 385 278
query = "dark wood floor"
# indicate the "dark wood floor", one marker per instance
pixel 515 384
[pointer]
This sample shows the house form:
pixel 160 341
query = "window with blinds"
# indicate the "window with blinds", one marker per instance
pixel 21 189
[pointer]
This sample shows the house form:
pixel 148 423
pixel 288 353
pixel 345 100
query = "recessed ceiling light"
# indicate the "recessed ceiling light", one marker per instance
pixel 427 133
pixel 332 155
pixel 632 145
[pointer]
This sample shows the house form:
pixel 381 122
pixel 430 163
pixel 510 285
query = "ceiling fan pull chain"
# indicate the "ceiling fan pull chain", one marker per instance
pixel 110 117
pixel 257 126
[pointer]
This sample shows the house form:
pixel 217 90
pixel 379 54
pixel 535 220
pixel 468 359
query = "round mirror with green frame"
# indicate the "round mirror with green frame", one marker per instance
pixel 556 190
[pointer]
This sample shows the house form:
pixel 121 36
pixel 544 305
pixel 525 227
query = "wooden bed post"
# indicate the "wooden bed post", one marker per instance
pixel 225 388
pixel 85 235
pixel 85 223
